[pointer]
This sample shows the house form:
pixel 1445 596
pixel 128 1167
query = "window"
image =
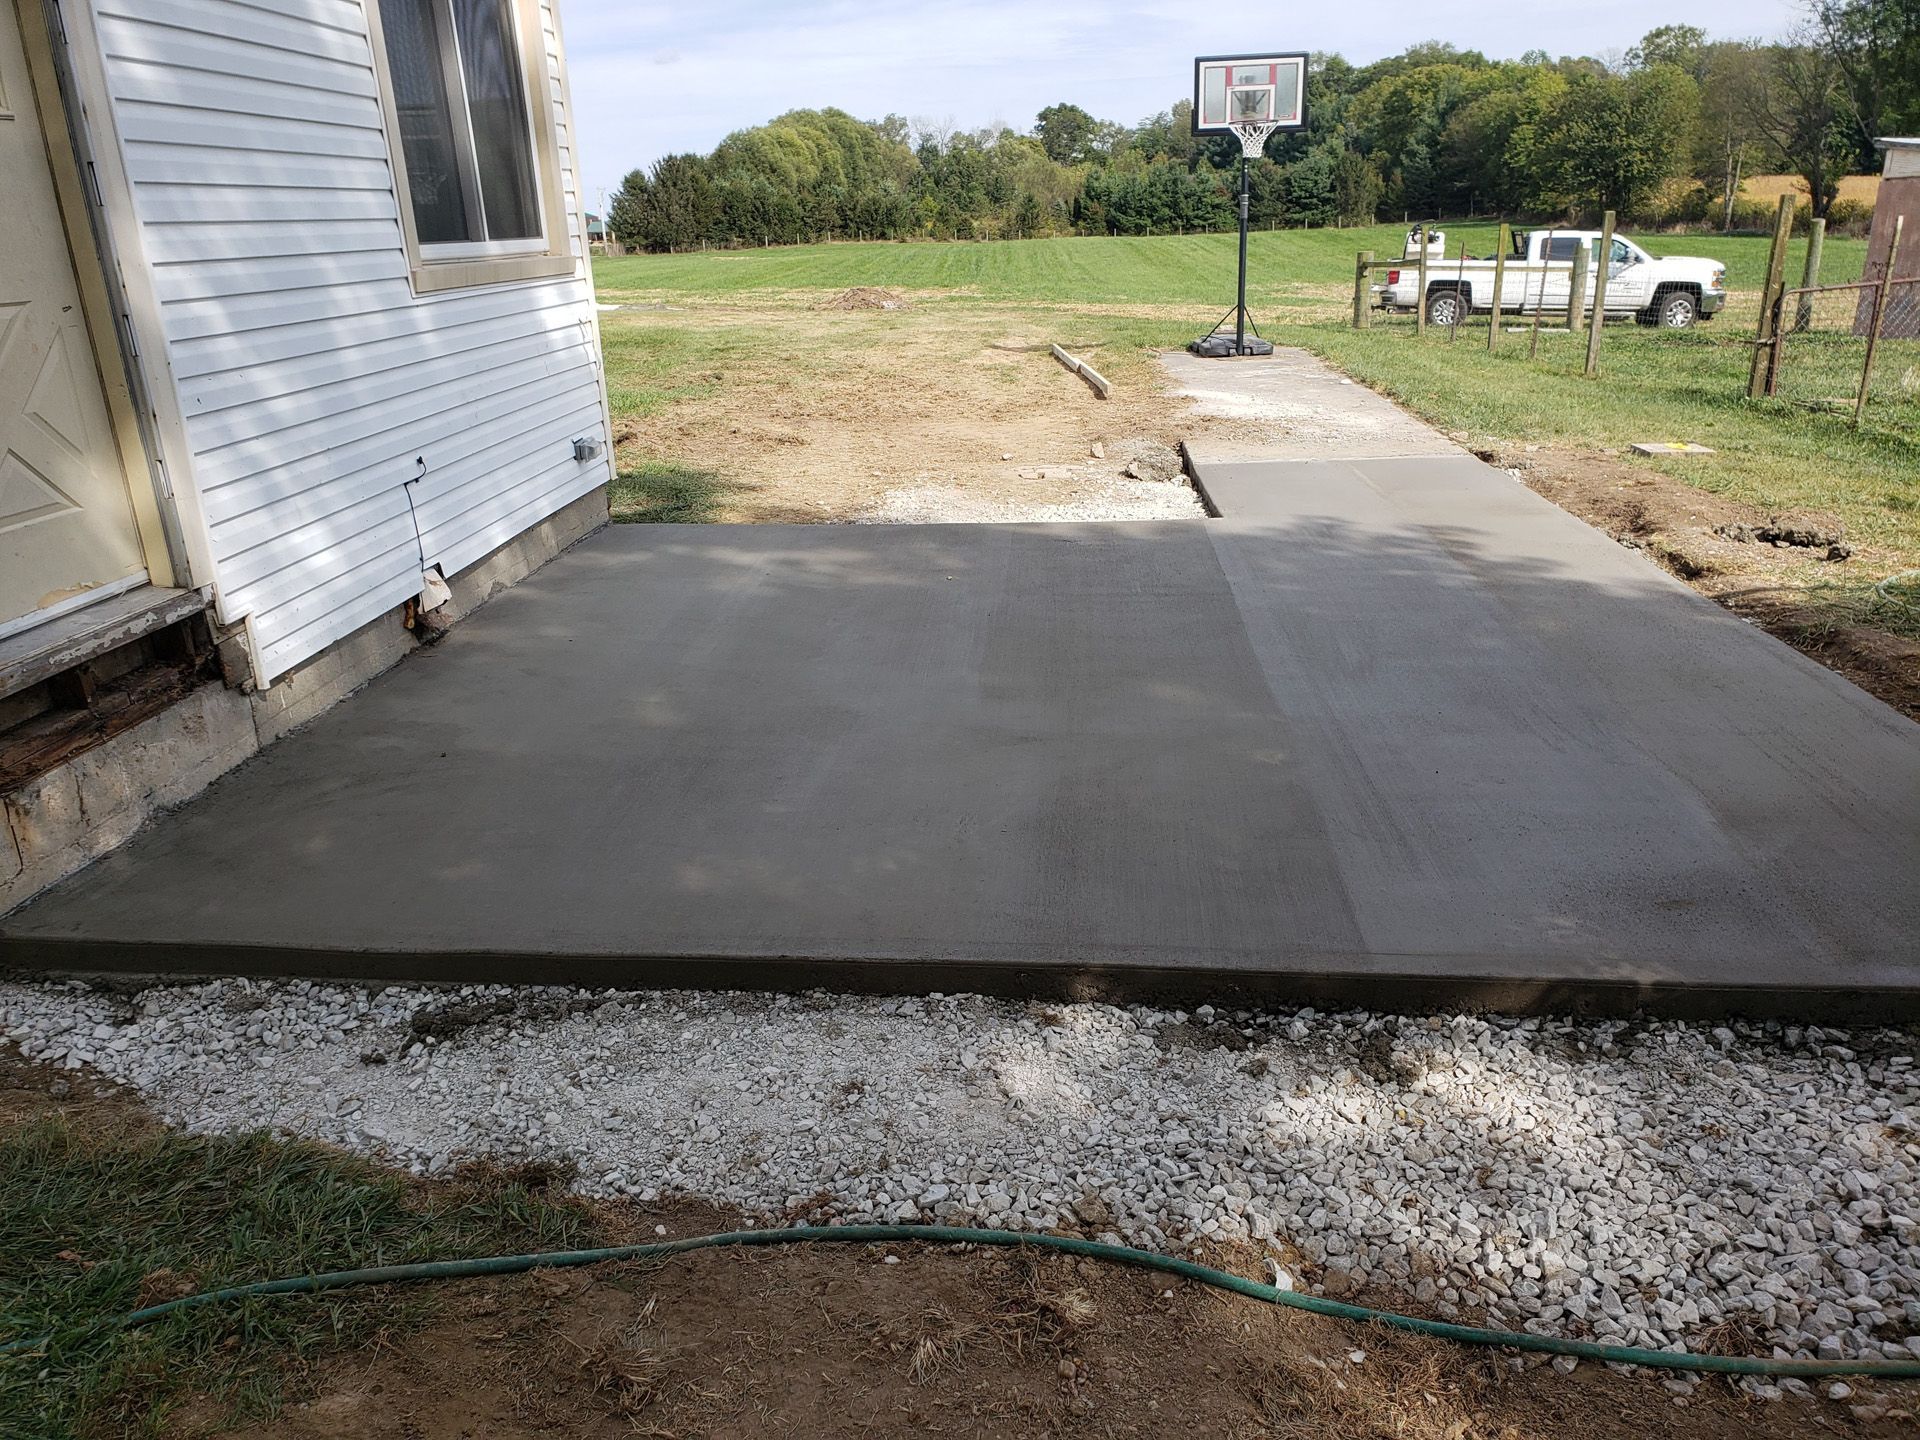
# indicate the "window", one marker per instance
pixel 475 162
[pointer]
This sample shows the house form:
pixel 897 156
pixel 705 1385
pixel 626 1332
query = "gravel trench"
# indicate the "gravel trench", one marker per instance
pixel 1640 1183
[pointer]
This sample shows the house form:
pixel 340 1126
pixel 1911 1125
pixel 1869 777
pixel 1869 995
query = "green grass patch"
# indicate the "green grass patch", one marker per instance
pixel 651 366
pixel 93 1214
pixel 659 493
pixel 1154 270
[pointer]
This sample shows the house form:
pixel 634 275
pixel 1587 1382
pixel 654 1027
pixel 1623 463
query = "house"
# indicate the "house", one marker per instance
pixel 600 240
pixel 1898 198
pixel 296 322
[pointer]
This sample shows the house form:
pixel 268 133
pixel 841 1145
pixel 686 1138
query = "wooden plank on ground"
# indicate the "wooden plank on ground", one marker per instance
pixel 1102 386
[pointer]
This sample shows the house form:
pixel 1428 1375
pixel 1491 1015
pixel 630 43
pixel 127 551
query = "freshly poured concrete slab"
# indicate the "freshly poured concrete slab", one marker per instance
pixel 1017 745
pixel 1391 732
pixel 1538 744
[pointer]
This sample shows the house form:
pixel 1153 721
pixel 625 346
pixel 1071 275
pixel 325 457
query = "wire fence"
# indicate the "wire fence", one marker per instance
pixel 1851 348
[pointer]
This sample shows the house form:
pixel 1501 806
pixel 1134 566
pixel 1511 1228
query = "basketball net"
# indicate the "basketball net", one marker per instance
pixel 1253 136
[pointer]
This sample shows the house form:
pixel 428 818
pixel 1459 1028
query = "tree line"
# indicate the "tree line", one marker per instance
pixel 1662 132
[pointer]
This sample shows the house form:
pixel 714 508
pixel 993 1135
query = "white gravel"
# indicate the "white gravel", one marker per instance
pixel 1085 496
pixel 1638 1183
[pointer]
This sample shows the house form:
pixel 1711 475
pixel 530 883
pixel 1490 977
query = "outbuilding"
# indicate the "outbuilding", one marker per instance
pixel 1898 198
pixel 298 362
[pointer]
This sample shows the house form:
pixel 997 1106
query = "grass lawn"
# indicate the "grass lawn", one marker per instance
pixel 108 1213
pixel 1101 270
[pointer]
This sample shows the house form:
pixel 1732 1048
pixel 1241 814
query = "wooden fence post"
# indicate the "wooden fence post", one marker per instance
pixel 1361 271
pixel 1879 314
pixel 1540 301
pixel 1761 372
pixel 1459 293
pixel 1810 273
pixel 1420 305
pixel 1602 260
pixel 1577 289
pixel 1499 279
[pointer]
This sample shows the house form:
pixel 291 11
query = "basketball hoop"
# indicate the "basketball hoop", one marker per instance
pixel 1253 137
pixel 1248 97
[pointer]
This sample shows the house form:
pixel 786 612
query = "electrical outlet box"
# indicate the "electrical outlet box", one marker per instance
pixel 585 449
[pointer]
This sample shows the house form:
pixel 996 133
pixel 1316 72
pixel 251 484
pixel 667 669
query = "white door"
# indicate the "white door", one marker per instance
pixel 1629 280
pixel 67 526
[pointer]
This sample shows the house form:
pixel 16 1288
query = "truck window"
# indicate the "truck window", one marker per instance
pixel 1621 254
pixel 1561 247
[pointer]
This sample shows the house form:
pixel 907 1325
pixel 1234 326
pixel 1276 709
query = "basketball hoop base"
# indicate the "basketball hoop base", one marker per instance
pixel 1234 337
pixel 1224 347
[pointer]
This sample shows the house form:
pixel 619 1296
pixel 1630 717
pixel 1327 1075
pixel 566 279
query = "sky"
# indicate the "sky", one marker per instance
pixel 654 79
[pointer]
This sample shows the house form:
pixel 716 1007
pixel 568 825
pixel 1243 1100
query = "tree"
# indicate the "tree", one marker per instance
pixel 1487 145
pixel 1608 142
pixel 675 207
pixel 1799 111
pixel 1065 132
pixel 1876 45
pixel 626 214
pixel 1307 190
pixel 1028 217
pixel 1682 46
pixel 1356 189
pixel 1726 139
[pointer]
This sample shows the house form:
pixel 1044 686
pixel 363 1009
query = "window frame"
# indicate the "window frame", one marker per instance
pixel 466 264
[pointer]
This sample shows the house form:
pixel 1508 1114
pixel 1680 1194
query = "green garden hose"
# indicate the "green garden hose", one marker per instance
pixel 954 1234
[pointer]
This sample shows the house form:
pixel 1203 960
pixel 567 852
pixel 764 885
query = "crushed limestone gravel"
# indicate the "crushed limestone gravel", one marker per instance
pixel 1643 1183
pixel 1082 497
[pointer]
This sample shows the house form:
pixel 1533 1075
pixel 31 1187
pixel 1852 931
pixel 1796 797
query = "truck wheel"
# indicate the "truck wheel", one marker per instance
pixel 1445 308
pixel 1677 310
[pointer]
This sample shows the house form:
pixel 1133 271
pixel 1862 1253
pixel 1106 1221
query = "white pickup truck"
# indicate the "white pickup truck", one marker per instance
pixel 1673 292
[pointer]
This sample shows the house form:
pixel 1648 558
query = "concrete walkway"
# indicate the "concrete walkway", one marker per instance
pixel 1391 731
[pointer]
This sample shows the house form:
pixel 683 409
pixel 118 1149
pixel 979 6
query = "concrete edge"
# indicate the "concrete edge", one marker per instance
pixel 1381 990
pixel 1192 466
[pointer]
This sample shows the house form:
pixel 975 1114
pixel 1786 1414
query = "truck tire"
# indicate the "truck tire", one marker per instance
pixel 1676 310
pixel 1447 307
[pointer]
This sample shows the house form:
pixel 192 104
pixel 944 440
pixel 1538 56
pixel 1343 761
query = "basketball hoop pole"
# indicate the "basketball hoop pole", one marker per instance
pixel 1240 305
pixel 1213 344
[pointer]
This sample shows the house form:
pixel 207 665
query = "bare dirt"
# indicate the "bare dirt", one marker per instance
pixel 866 297
pixel 840 407
pixel 942 1341
pixel 1709 542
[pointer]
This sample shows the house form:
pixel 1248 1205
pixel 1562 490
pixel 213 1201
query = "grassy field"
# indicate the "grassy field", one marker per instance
pixel 1132 295
pixel 1288 268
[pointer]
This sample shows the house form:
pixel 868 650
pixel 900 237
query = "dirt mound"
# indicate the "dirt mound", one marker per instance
pixel 864 297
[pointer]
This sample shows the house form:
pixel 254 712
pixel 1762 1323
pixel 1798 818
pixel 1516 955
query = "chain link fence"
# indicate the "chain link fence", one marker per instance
pixel 1851 348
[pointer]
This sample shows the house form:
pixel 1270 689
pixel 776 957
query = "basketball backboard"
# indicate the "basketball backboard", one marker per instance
pixel 1235 91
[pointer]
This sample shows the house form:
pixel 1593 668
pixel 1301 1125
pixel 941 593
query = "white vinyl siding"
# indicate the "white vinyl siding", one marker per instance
pixel 309 374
